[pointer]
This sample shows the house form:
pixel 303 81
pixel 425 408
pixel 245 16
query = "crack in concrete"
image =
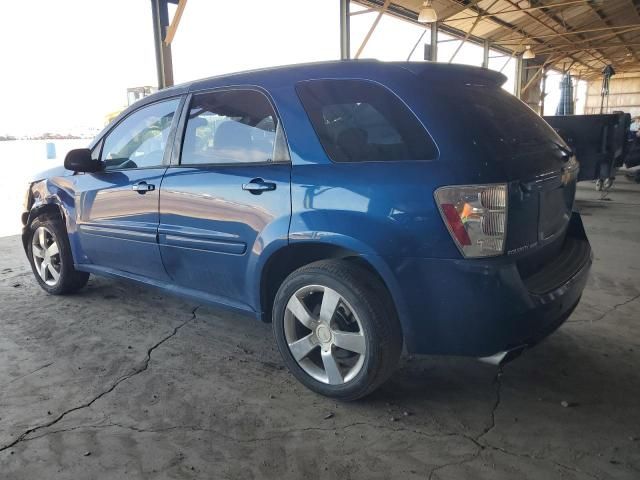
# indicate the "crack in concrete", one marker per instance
pixel 497 381
pixel 604 314
pixel 618 305
pixel 47 365
pixel 477 439
pixel 538 458
pixel 482 445
pixel 452 464
pixel 114 385
pixel 275 436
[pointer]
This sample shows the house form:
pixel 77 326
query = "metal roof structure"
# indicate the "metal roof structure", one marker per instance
pixel 582 36
pixel 578 36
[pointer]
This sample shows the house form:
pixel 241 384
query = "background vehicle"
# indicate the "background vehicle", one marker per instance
pixel 600 143
pixel 133 95
pixel 338 201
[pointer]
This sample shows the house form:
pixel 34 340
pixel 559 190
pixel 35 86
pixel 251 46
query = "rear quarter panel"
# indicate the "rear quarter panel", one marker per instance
pixel 373 208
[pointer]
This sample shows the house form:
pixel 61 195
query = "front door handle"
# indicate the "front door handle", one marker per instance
pixel 143 187
pixel 258 185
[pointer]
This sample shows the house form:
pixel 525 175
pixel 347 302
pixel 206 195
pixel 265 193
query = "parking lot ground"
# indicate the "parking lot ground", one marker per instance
pixel 120 381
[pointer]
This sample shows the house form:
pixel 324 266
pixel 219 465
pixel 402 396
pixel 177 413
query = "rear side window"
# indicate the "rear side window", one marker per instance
pixel 512 127
pixel 230 127
pixel 361 121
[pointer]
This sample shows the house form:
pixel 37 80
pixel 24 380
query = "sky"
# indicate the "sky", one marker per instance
pixel 67 63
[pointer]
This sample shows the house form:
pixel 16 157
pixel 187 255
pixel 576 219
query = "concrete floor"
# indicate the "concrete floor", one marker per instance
pixel 120 381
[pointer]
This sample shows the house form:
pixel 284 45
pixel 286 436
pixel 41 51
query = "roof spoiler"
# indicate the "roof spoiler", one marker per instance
pixel 454 72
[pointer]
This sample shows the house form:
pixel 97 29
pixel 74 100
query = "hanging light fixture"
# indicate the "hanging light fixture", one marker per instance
pixel 528 53
pixel 427 14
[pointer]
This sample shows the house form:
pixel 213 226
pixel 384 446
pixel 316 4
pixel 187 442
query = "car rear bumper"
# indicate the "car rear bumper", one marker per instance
pixel 484 307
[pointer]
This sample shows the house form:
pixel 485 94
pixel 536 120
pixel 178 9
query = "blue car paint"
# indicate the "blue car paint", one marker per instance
pixel 117 226
pixel 382 211
pixel 209 225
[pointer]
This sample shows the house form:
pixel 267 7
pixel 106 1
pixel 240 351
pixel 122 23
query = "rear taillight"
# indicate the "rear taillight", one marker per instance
pixel 570 170
pixel 476 216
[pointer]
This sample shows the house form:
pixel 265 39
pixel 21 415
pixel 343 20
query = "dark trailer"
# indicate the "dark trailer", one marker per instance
pixel 599 142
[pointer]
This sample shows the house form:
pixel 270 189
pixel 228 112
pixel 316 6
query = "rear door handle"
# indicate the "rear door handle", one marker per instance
pixel 143 187
pixel 258 185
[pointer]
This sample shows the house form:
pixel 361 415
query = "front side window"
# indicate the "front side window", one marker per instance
pixel 140 139
pixel 360 121
pixel 232 126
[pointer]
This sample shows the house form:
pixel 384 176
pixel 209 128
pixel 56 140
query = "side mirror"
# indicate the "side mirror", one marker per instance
pixel 79 160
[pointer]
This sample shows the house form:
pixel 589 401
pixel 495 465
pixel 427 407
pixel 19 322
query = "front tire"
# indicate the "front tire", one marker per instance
pixel 50 256
pixel 335 329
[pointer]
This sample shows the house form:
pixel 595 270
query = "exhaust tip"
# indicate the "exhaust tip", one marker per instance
pixel 504 357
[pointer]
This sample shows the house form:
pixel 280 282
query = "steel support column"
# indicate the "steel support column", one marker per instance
pixel 434 42
pixel 485 54
pixel 543 93
pixel 345 30
pixel 518 83
pixel 164 65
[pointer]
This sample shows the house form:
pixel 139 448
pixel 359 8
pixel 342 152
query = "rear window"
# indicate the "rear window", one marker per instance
pixel 361 121
pixel 508 126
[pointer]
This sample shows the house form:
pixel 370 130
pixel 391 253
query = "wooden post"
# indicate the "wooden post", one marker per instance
pixel 171 31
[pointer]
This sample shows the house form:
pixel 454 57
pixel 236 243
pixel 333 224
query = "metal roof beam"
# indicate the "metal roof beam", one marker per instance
pixel 412 17
pixel 466 37
pixel 383 9
pixel 519 10
pixel 558 21
pixel 477 9
pixel 513 27
pixel 572 32
pixel 606 47
pixel 607 22
pixel 588 40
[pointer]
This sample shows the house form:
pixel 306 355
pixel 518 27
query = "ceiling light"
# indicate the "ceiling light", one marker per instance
pixel 428 14
pixel 528 53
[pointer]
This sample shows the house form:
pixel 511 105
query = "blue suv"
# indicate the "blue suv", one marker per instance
pixel 361 207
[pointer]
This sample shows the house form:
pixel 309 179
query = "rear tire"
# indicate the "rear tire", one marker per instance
pixel 49 254
pixel 336 329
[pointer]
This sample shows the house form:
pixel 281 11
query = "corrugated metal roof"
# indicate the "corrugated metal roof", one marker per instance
pixel 580 35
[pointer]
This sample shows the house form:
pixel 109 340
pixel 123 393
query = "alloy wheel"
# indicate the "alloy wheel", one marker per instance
pixel 324 334
pixel 46 256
